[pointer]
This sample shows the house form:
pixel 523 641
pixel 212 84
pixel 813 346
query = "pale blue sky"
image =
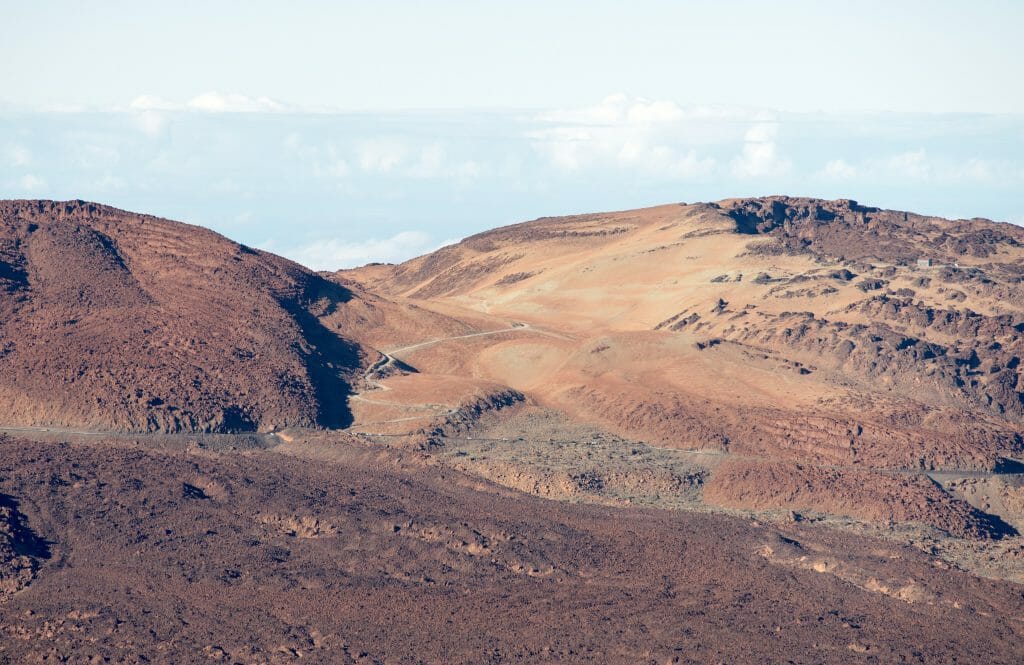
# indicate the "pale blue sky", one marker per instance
pixel 338 133
pixel 799 55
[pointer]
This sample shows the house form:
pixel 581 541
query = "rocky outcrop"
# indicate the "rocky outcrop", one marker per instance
pixel 462 418
pixel 21 550
pixel 845 228
pixel 976 370
pixel 870 496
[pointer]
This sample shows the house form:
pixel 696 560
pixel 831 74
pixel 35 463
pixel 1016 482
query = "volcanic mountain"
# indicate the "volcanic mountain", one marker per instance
pixel 115 321
pixel 773 429
pixel 857 335
pixel 776 331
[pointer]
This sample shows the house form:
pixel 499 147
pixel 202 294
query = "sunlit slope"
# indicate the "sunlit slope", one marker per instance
pixel 794 328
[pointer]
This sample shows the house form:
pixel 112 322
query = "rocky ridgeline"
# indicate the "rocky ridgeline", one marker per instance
pixel 844 228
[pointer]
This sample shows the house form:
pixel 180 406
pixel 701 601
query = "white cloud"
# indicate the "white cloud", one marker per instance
pixel 294 144
pixel 94 156
pixel 326 161
pixel 337 168
pixel 211 102
pixel 335 253
pixel 153 103
pixel 108 182
pixel 331 165
pixel 385 156
pixel 620 109
pixel 567 148
pixel 380 155
pixel 909 165
pixel 760 155
pixel 838 169
pixel 666 161
pixel 431 162
pixel 617 109
pixel 978 169
pixel 151 123
pixel 60 107
pixel 18 155
pixel 653 138
pixel 919 165
pixel 215 102
pixel 764 132
pixel 226 185
pixel 30 183
pixel 434 162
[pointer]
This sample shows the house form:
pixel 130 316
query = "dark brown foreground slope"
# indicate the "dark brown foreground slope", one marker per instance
pixel 115 321
pixel 345 554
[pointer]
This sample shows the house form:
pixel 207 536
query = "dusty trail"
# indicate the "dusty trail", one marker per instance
pixel 389 357
pixel 54 433
pixel 57 430
pixel 721 455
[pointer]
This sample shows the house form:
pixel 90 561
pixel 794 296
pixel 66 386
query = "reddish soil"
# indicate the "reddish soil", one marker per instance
pixel 796 345
pixel 259 556
pixel 873 497
pixel 779 329
pixel 116 321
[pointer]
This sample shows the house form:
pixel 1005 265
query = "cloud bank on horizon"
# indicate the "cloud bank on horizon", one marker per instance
pixel 267 124
pixel 336 189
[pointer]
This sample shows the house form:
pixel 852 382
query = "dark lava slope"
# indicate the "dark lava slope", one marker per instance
pixel 116 321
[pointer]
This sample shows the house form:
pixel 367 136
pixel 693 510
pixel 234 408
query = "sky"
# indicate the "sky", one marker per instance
pixel 340 133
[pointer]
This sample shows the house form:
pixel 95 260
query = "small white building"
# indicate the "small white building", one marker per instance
pixel 924 263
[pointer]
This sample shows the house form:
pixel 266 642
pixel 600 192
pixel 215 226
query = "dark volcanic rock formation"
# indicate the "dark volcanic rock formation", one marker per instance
pixel 844 228
pixel 21 550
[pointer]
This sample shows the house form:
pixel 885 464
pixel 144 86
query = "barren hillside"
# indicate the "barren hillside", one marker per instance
pixel 115 321
pixel 364 556
pixel 652 436
pixel 778 330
